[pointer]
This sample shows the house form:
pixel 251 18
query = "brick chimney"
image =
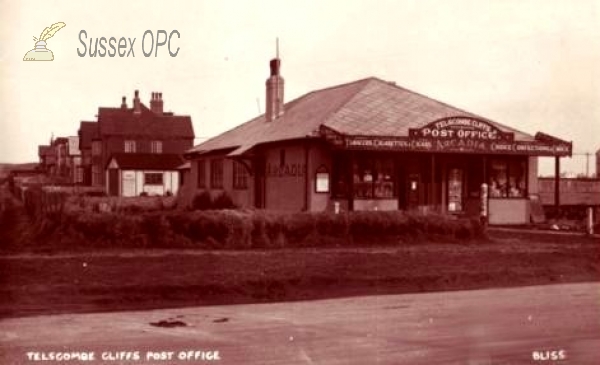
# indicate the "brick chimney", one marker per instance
pixel 156 103
pixel 137 107
pixel 123 103
pixel 274 107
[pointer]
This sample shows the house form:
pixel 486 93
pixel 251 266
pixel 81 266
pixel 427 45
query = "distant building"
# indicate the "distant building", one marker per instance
pixel 371 145
pixel 132 174
pixel 139 131
pixel 88 131
pixel 598 164
pixel 60 145
pixel 46 157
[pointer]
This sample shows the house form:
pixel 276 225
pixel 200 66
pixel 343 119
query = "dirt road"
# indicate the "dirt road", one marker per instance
pixel 494 326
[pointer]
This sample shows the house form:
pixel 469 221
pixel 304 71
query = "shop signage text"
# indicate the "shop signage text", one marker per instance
pixel 461 128
pixel 287 170
pixel 454 135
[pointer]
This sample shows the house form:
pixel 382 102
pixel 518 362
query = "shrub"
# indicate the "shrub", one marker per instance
pixel 298 226
pixel 223 201
pixel 202 201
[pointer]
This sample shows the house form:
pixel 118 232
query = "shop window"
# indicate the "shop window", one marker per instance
pixel 201 183
pixel 508 178
pixel 373 178
pixel 240 176
pixel 216 174
pixel 322 180
pixel 153 178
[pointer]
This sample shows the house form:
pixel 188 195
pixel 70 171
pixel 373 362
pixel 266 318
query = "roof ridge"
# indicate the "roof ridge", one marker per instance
pixel 293 101
pixel 334 87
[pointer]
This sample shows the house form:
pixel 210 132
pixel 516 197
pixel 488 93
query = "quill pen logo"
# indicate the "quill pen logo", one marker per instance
pixel 40 52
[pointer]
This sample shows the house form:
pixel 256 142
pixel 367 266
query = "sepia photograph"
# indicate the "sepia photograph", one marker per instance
pixel 300 182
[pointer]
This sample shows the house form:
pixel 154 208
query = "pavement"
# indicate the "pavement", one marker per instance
pixel 528 325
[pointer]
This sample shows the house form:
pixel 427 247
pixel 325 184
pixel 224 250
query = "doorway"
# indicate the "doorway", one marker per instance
pixel 456 184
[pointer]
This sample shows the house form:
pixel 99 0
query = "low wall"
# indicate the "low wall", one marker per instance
pixel 509 211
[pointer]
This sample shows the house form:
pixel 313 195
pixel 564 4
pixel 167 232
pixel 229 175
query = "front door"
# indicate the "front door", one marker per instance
pixel 113 182
pixel 414 191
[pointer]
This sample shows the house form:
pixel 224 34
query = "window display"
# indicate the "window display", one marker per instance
pixel 374 178
pixel 508 178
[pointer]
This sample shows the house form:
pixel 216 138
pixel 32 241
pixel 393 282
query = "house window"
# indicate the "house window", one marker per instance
pixel 240 176
pixel 130 146
pixel 79 175
pixel 96 179
pixel 153 178
pixel 374 178
pixel 156 147
pixel 216 173
pixel 508 178
pixel 96 148
pixel 201 164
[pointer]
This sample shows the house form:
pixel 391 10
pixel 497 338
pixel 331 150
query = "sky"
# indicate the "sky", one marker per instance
pixel 533 65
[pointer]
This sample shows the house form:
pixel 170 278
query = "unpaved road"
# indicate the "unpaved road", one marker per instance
pixel 492 326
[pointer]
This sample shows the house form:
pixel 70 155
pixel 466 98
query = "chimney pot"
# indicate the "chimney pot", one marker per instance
pixel 156 104
pixel 275 88
pixel 275 64
pixel 136 103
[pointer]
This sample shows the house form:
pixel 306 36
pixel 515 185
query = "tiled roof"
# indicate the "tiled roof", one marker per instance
pixel 147 161
pixel 87 132
pixel 365 107
pixel 117 121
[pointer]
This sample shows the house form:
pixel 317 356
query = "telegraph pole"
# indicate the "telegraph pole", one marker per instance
pixel 587 164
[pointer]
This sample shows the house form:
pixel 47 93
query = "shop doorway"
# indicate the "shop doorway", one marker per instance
pixel 413 191
pixel 456 183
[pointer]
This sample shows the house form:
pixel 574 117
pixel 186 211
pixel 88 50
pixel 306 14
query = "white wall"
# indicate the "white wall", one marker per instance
pixel 135 186
pixel 376 204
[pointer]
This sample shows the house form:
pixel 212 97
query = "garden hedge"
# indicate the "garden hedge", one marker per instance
pixel 249 229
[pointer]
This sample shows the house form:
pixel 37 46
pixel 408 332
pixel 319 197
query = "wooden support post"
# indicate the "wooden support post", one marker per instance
pixel 432 200
pixel 484 158
pixel 351 197
pixel 557 183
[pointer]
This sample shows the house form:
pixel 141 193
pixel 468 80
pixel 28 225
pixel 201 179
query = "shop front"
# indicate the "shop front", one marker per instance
pixel 441 167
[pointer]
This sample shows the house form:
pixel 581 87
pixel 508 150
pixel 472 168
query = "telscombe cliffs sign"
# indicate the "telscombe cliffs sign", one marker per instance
pixel 461 128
